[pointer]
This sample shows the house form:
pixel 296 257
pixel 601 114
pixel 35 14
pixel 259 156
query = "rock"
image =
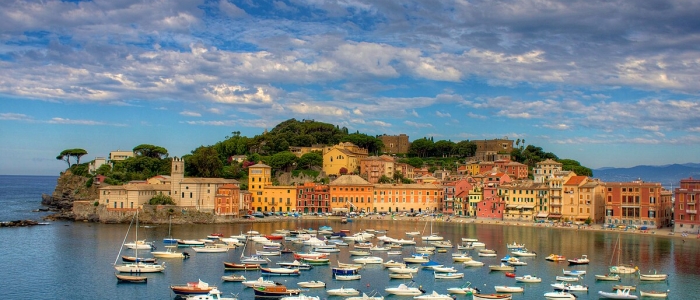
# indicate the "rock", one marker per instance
pixel 19 223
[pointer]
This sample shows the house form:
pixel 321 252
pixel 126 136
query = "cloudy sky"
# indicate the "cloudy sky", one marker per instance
pixel 609 83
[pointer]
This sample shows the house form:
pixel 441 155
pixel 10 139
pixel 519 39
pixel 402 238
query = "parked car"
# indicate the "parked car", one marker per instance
pixel 258 215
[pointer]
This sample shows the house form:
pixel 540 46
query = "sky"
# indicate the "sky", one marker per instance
pixel 607 83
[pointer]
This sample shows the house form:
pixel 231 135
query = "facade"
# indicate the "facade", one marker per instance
pixel 686 209
pixel 475 195
pixel 556 202
pixel 374 167
pixel 299 151
pixel 120 155
pixel 129 197
pixel 492 150
pixel 313 198
pixel 635 203
pixel 514 169
pixel 406 170
pixel 244 202
pixel 227 200
pixel 344 155
pixel 278 198
pixel 546 169
pixel 96 164
pixel 351 193
pixel 395 144
pixel 523 199
pixel 406 198
pixel 579 199
pixel 259 176
pixel 455 196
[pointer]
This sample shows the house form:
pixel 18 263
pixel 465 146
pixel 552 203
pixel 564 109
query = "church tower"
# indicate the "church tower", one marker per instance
pixel 177 174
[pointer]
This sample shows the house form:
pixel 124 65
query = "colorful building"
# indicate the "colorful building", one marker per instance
pixel 313 197
pixel 351 193
pixel 522 199
pixel 342 156
pixel 374 167
pixel 227 200
pixel 686 208
pixel 406 197
pixel 635 203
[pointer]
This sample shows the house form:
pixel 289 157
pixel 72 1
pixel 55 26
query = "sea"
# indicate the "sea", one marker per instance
pixel 75 260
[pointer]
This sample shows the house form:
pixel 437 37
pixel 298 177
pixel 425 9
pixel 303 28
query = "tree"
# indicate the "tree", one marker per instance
pixel 310 160
pixel 204 162
pixel 68 153
pixel 161 199
pixel 384 179
pixel 444 148
pixel 283 160
pixel 343 171
pixel 465 149
pixel 152 151
pixel 372 144
pixel 413 161
pixel 421 147
pixel 64 157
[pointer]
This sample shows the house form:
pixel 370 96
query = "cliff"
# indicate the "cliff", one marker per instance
pixel 69 188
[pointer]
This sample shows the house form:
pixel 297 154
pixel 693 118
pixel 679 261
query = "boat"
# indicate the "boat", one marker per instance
pixel 401 275
pixel 136 267
pixel 392 263
pixel 302 255
pixel 433 235
pixel 416 259
pixel 617 294
pixel 622 287
pixel 149 260
pixel 312 284
pixel 473 263
pixel 653 277
pixel 365 297
pixel 524 253
pixel 140 245
pixel 170 239
pixel 280 271
pixel 583 260
pixel 170 253
pixel 268 253
pixel 190 243
pixel 316 261
pixel 515 245
pixel 511 274
pixel 404 269
pixel 609 277
pixel 465 289
pixel 378 248
pixel 431 264
pixel 559 295
pixel 240 267
pixel 348 277
pixel 488 251
pixel 276 291
pixel 508 289
pixel 131 278
pixel 619 268
pixel 461 257
pixel 254 259
pixel 555 258
pixel 654 294
pixel 214 294
pixel 450 275
pixel 434 296
pixel 574 272
pixel 502 267
pixel 301 297
pixel 394 253
pixel 349 266
pixel 342 291
pixel 412 233
pixel 258 283
pixel 327 249
pixel 514 261
pixel 192 288
pixel 234 278
pixel 295 264
pixel 567 278
pixel 210 249
pixel 528 279
pixel 359 253
pixel 344 271
pixel 465 247
pixel 442 244
pixel 404 290
pixel 492 296
pixel 570 287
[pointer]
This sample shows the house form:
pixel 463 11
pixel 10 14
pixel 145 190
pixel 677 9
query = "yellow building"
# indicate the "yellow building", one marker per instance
pixel 475 196
pixel 351 193
pixel 473 168
pixel 575 206
pixel 344 155
pixel 299 151
pixel 556 182
pixel 264 196
pixel 523 199
pixel 407 197
pixel 120 155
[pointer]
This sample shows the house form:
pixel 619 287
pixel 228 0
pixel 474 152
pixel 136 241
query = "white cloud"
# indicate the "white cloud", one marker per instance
pixel 14 117
pixel 231 9
pixel 74 122
pixel 560 126
pixel 236 94
pixel 418 125
pixel 380 123
pixel 190 114
pixel 442 115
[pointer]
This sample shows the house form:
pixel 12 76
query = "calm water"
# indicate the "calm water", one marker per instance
pixel 67 260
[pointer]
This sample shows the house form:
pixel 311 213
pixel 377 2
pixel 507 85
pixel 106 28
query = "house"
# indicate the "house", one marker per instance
pixel 406 198
pixel 351 193
pixel 342 156
pixel 376 167
pixel 686 209
pixel 312 197
pixel 636 203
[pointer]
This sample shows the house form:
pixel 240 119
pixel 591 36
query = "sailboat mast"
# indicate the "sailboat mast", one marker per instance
pixel 124 241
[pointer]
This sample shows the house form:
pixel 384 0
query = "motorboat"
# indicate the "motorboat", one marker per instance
pixel 359 253
pixel 140 268
pixel 342 291
pixel 327 249
pixel 254 259
pixel 465 247
pixel 234 278
pixel 609 277
pixel 465 289
pixel 404 290
pixel 260 282
pixel 140 245
pixel 555 258
pixel 240 267
pixel 617 294
pixel 469 240
pixel 524 253
pixel 404 269
pixel 344 271
pixel 583 260
pixel 295 264
pixel 214 294
pixel 405 242
pixel 190 243
pixel 392 263
pixel 312 284
pixel 461 257
pixel 401 275
pixel 316 261
pixel 378 248
pixel 431 264
pixel 567 278
pixel 487 251
pixel 192 288
pixel 654 294
pixel 559 295
pixel 450 275
pixel 268 253
pixel 365 297
pixel 434 296
pixel 514 261
pixel 349 266
pixel 416 259
pixel 369 260
pixel 170 253
pixel 473 263
pixel 148 260
pixel 301 297
pixel 348 277
pixel 515 245
pixel 528 279
pixel 574 272
pixel 492 296
pixel 442 244
pixel 275 291
pixel 484 254
pixel 280 271
pixel 363 245
pixel 502 267
pixel 508 289
pixel 444 269
pixel 570 287
pixel 394 253
pixel 209 249
pixel 432 237
pixel 412 233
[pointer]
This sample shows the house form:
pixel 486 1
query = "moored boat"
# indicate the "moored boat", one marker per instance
pixel 209 249
pixel 609 277
pixel 258 283
pixel 438 275
pixel 568 287
pixel 473 263
pixel 617 294
pixel 492 296
pixel 233 278
pixel 574 272
pixel 131 278
pixel 508 289
pixel 240 267
pixel 276 291
pixel 433 296
pixel 312 284
pixel 559 295
pixel 567 278
pixel 653 277
pixel 348 277
pixel 502 267
pixel 404 290
pixel 148 260
pixel 342 291
pixel 654 294
pixel 401 275
pixel 528 279
pixel 555 258
pixel 465 289
pixel 583 260
pixel 280 271
pixel 192 288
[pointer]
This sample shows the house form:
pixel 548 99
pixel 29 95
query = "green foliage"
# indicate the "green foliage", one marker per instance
pixel 531 155
pixel 204 162
pixel 372 144
pixel 310 160
pixel 465 149
pixel 283 160
pixel 406 181
pixel 89 182
pixel 422 147
pixel 96 203
pixel 588 221
pixel 104 169
pixel 80 169
pixel 68 153
pixel 576 167
pixel 413 161
pixel 444 148
pixel 161 199
pixel 233 145
pixel 310 173
pixel 234 171
pixel 384 179
pixel 151 151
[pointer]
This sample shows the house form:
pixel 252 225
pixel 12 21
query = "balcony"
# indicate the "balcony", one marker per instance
pixel 555 203
pixel 691 211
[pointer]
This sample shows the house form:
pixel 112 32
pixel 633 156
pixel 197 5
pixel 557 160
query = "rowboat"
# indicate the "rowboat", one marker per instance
pixel 622 287
pixel 492 297
pixel 653 277
pixel 510 274
pixel 258 283
pixel 312 284
pixel 316 261
pixel 192 288
pixel 348 277
pixel 280 271
pixel 613 277
pixel 528 279
pixel 240 267
pixel 342 291
pixel 235 278
pixel 473 263
pixel 400 275
pixel 448 275
pixel 433 296
pixel 130 278
pixel 654 294
pixel 508 289
pixel 275 291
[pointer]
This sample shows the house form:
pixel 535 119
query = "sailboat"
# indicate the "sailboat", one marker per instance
pixel 620 268
pixel 136 267
pixel 433 235
pixel 170 239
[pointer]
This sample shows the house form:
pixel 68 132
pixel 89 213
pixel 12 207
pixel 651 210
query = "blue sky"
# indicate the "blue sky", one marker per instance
pixel 609 83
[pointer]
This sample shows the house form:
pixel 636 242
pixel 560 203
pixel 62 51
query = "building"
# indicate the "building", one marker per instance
pixel 406 170
pixel 492 150
pixel 514 169
pixel 523 199
pixel 342 156
pixel 259 176
pixel 300 151
pixel 351 193
pixel 419 198
pixel 582 199
pixel 686 209
pixel 455 196
pixel 492 205
pixel 556 182
pixel 635 203
pixel 96 164
pixel 395 144
pixel 120 155
pixel 546 169
pixel 266 197
pixel 227 200
pixel 313 198
pixel 375 167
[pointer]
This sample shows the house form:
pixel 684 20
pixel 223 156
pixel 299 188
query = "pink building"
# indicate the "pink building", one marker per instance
pixel 686 209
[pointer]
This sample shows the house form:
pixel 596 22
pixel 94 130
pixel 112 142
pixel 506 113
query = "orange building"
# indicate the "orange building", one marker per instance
pixel 374 167
pixel 351 193
pixel 227 200
pixel 686 210
pixel 407 197
pixel 635 203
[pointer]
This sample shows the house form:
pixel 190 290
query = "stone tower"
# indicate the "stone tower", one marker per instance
pixel 177 174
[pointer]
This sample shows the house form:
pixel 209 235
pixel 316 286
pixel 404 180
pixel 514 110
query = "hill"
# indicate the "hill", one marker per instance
pixel 668 175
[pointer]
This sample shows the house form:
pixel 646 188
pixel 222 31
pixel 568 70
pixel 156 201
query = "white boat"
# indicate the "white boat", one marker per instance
pixel 279 271
pixel 214 294
pixel 369 260
pixel 365 297
pixel 619 268
pixel 394 253
pixel 260 282
pixel 359 253
pixel 570 287
pixel 560 295
pixel 392 263
pixel 403 270
pixel 190 243
pixel 254 259
pixel 404 290
pixel 524 253
pixel 501 267
pixel 583 260
pixel 492 296
pixel 515 245
pixel 574 272
pixel 349 266
pixel 312 284
pixel 528 279
pixel 475 244
pixel 618 294
pixel 348 277
pixel 433 235
pixel 209 249
pixel 327 250
pixel 567 278
pixel 377 248
pixel 234 278
pixel 169 253
pixel 613 277
pixel 653 277
pixel 514 261
pixel 482 254
pixel 434 296
pixel 136 267
pixel 412 233
pixel 301 297
pixel 444 269
pixel 465 247
pixel 442 244
pixel 139 245
pixel 508 289
pixel 342 291
pixel 268 253
pixel 405 242
pixel 487 251
pixel 461 257
pixel 473 263
pixel 438 275
pixel 469 240
pixel 416 259
pixel 465 289
pixel 295 264
pixel 654 294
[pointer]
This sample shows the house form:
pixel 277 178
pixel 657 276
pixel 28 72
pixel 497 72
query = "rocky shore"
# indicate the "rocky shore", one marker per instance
pixel 69 189
pixel 20 223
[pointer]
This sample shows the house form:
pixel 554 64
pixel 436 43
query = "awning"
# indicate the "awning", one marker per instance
pixel 528 206
pixel 511 206
pixel 542 214
pixel 339 209
pixel 555 216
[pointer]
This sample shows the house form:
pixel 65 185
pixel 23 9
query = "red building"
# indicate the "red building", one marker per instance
pixel 491 205
pixel 636 203
pixel 313 198
pixel 686 210
pixel 451 205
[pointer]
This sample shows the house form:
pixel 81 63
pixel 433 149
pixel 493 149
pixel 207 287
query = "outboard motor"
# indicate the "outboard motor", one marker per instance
pixel 186 255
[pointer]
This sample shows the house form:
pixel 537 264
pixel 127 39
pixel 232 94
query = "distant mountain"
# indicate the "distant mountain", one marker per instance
pixel 668 175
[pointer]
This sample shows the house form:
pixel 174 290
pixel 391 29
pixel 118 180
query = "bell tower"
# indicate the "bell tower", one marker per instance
pixel 177 174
